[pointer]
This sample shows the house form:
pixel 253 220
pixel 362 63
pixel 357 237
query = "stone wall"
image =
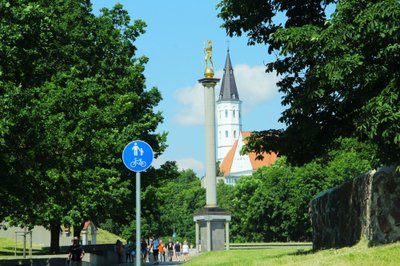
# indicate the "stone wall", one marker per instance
pixel 368 206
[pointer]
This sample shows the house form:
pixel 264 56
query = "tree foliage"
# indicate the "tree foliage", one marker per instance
pixel 72 95
pixel 272 204
pixel 340 76
pixel 259 18
pixel 179 199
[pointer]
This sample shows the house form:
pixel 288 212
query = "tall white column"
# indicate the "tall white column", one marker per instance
pixel 210 214
pixel 209 113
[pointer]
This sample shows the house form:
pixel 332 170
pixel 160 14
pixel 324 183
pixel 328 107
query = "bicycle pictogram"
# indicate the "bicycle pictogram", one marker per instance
pixel 139 162
pixel 137 156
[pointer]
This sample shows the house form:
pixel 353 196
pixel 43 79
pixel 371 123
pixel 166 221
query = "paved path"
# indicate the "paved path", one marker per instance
pixel 151 263
pixel 192 253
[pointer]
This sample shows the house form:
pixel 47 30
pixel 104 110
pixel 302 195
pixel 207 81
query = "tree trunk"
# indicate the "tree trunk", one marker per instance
pixel 55 238
pixel 78 229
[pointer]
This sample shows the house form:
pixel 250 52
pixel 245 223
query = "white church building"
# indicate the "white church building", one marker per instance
pixel 230 137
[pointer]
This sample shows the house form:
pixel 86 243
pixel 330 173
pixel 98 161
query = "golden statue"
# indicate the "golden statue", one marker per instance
pixel 209 71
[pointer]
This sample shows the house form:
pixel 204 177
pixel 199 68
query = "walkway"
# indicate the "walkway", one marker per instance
pixel 174 262
pixel 192 253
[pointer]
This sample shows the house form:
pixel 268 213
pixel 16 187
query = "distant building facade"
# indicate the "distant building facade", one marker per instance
pixel 229 117
pixel 230 137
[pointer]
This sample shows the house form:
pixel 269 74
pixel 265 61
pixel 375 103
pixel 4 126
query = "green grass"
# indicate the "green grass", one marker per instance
pixel 7 248
pixel 105 237
pixel 7 245
pixel 359 254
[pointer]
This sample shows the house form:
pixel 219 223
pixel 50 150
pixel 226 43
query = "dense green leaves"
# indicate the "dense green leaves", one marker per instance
pixel 337 80
pixel 178 200
pixel 169 199
pixel 339 77
pixel 72 95
pixel 259 18
pixel 272 204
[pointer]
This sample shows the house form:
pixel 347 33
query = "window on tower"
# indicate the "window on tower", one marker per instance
pixel 234 134
pixel 234 113
pixel 226 133
pixel 226 113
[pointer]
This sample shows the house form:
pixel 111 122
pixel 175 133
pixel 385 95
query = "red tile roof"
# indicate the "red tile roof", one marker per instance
pixel 226 165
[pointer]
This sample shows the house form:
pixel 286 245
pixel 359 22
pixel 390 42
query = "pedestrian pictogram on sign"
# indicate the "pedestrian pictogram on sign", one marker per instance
pixel 137 156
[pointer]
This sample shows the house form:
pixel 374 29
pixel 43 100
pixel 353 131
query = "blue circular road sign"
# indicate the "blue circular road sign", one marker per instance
pixel 137 156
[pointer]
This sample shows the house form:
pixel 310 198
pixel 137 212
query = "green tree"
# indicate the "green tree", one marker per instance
pixel 348 159
pixel 258 18
pixel 225 196
pixel 242 223
pixel 339 77
pixel 178 200
pixel 151 181
pixel 275 194
pixel 72 96
pixel 272 204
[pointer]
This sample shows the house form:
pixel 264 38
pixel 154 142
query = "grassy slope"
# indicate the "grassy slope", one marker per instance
pixel 105 237
pixel 356 255
pixel 7 245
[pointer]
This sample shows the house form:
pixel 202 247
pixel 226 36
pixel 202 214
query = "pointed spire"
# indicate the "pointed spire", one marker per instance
pixel 228 86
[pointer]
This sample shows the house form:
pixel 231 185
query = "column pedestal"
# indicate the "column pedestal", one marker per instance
pixel 212 229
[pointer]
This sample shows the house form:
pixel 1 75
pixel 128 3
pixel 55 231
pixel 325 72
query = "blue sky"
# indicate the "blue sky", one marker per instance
pixel 176 33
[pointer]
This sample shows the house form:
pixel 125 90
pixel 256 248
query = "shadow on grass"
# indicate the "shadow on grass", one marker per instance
pixel 299 252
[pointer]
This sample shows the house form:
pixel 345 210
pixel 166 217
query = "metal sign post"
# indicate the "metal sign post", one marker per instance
pixel 138 208
pixel 137 157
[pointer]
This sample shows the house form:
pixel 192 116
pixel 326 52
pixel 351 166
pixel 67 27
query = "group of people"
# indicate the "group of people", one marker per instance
pixel 162 252
pixel 127 250
pixel 155 246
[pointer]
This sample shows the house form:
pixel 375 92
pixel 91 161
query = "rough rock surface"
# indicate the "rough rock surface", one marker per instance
pixel 368 206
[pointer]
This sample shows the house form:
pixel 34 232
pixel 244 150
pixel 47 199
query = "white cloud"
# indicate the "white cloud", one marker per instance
pixel 157 162
pixel 193 100
pixel 183 163
pixel 190 163
pixel 255 87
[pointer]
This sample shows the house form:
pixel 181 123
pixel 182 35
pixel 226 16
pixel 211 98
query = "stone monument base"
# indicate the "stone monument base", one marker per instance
pixel 212 229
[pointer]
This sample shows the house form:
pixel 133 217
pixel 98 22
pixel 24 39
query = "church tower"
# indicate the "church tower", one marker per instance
pixel 229 117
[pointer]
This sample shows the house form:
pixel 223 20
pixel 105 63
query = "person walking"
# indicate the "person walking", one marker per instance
pixel 154 245
pixel 119 249
pixel 128 251
pixel 185 250
pixel 143 248
pixel 161 251
pixel 76 253
pixel 177 249
pixel 170 249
